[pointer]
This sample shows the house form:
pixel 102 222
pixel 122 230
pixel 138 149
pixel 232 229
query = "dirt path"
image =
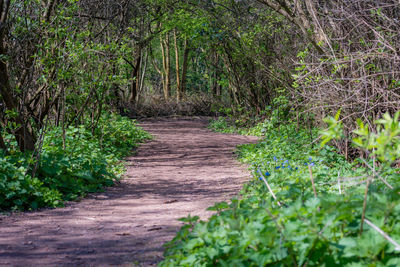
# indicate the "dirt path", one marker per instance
pixel 184 170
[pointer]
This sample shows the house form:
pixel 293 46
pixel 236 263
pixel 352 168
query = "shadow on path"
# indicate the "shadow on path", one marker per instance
pixel 186 169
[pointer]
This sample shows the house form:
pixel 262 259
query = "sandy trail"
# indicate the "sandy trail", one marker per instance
pixel 184 170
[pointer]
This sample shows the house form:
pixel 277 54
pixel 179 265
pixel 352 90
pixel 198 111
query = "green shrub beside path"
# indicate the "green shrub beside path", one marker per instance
pixel 89 162
pixel 301 229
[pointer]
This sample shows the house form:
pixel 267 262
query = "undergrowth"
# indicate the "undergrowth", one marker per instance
pixel 305 225
pixel 153 105
pixel 229 126
pixel 89 162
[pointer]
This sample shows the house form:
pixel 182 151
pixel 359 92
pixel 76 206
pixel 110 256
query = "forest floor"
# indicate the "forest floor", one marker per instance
pixel 184 170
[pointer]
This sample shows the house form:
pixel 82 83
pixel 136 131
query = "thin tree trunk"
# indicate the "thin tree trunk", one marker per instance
pixel 49 8
pixel 186 50
pixel 155 65
pixel 63 119
pixel 167 66
pixel 138 76
pixel 114 92
pixel 164 65
pixel 143 73
pixel 135 78
pixel 177 67
pixel 216 74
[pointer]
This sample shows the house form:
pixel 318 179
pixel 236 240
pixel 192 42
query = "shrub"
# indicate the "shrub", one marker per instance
pixel 19 190
pixel 300 227
pixel 88 163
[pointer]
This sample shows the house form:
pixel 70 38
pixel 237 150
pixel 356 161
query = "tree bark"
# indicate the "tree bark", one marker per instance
pixel 49 8
pixel 135 79
pixel 143 69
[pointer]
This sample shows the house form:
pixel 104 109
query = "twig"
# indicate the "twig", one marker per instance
pixel 379 176
pixel 357 183
pixel 312 180
pixel 338 180
pixel 386 236
pixel 364 206
pixel 349 179
pixel 366 194
pixel 269 188
pixel 365 199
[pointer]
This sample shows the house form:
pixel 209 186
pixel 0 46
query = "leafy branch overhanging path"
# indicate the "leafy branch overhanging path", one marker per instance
pixel 184 170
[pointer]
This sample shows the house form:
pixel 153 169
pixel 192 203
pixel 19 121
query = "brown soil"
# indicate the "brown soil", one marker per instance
pixel 184 170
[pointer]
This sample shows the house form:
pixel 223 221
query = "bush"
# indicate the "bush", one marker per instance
pixel 226 125
pixel 88 163
pixel 19 190
pixel 304 228
pixel 222 125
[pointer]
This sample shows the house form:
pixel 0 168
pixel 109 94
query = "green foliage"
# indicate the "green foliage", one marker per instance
pixel 88 163
pixel 311 231
pixel 385 143
pixel 221 125
pixel 252 126
pixel 225 125
pixel 120 136
pixel 300 230
pixel 18 190
pixel 334 130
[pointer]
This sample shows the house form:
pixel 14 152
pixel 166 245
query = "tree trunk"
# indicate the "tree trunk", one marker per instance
pixel 165 91
pixel 114 91
pixel 184 67
pixel 167 67
pixel 135 79
pixel 177 67
pixel 138 75
pixel 216 90
pixel 25 138
pixel 143 73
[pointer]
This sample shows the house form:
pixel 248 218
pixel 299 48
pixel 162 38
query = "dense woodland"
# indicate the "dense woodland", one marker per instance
pixel 71 71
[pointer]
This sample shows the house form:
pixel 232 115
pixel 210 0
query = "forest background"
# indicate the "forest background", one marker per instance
pixel 63 61
pixel 69 69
